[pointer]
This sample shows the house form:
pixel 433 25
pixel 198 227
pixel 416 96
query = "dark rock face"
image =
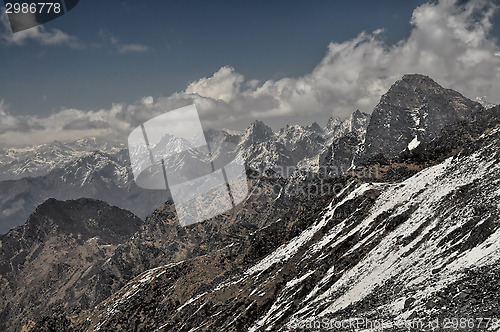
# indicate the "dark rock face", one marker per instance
pixel 343 143
pixel 359 120
pixel 414 107
pixel 339 157
pixel 41 261
pixel 452 139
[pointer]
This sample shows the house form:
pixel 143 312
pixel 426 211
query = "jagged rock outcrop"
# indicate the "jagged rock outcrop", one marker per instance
pixel 344 141
pixel 339 157
pixel 452 139
pixel 356 123
pixel 415 108
pixel 258 132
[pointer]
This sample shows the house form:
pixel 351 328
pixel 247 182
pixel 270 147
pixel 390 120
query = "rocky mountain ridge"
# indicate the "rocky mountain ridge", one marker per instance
pixel 160 240
pixel 108 177
pixel 414 110
pixel 416 251
pixel 416 241
pixel 41 260
pixel 393 128
pixel 410 115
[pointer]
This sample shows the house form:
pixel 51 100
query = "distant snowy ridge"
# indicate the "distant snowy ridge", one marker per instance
pixel 38 160
pixel 260 146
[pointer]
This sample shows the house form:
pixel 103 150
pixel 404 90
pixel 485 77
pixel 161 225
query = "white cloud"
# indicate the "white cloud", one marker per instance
pixel 38 33
pixel 112 40
pixel 450 43
pixel 125 48
pixel 223 85
pixel 148 101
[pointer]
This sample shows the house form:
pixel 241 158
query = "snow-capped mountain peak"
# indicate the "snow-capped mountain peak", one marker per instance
pixel 38 160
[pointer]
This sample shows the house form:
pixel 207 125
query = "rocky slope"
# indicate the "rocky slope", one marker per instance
pixel 41 260
pixel 339 157
pixel 343 143
pixel 159 241
pixel 413 241
pixel 423 249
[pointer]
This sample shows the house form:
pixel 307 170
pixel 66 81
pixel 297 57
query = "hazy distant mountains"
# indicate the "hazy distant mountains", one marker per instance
pixel 38 160
pixel 74 170
pixel 97 175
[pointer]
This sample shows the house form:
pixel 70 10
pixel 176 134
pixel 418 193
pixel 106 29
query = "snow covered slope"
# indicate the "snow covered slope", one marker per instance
pixel 424 249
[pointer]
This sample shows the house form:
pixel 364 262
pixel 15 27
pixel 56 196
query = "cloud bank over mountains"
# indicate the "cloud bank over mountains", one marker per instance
pixel 450 42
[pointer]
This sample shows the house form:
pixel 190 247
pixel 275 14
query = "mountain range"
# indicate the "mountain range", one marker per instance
pixel 413 111
pixel 392 218
pixel 72 170
pixel 38 160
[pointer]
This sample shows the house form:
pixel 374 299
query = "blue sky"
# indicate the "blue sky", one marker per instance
pixel 278 61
